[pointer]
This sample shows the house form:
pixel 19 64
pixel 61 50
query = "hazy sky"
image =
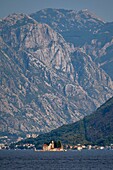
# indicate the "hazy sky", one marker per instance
pixel 102 8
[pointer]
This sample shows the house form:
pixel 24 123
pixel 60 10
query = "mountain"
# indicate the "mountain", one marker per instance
pixel 75 27
pixel 45 81
pixel 96 128
pixel 32 97
pixel 101 48
pixel 85 30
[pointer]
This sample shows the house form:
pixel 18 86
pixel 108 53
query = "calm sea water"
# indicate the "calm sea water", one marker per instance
pixel 70 160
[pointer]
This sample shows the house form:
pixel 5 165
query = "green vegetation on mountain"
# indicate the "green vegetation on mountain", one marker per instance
pixel 96 128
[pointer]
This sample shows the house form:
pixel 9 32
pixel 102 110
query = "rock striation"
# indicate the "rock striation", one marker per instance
pixel 85 30
pixel 45 80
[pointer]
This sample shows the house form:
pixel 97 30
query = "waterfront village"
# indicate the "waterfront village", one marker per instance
pixel 52 146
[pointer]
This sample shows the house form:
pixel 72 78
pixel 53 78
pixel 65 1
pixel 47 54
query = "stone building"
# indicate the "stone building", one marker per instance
pixel 51 147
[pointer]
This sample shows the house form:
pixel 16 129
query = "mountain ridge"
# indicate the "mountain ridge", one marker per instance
pixel 92 35
pixel 95 129
pixel 45 80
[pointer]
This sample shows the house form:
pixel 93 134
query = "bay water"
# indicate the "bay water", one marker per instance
pixel 70 160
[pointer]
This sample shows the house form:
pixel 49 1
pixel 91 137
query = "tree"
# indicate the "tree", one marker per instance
pixel 59 144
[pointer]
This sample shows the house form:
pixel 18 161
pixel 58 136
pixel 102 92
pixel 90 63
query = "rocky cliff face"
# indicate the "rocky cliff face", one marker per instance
pixel 75 27
pixel 45 81
pixel 84 30
pixel 101 48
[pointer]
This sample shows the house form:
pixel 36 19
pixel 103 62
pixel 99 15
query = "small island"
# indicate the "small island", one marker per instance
pixel 53 146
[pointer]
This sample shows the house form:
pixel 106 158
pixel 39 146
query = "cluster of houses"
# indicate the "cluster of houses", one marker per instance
pixel 27 136
pixel 25 146
pixel 3 146
pixel 79 147
pixel 52 146
pixel 31 135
